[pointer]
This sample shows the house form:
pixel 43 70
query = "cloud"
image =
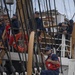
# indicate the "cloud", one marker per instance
pixel 68 9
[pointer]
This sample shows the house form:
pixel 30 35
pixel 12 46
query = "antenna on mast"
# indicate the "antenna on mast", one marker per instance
pixel 10 2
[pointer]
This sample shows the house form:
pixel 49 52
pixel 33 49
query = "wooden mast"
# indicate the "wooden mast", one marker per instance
pixel 20 8
pixel 30 53
pixel 31 38
pixel 73 42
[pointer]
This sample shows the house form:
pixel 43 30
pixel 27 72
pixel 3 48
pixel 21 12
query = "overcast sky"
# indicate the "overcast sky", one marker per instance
pixel 63 6
pixel 13 8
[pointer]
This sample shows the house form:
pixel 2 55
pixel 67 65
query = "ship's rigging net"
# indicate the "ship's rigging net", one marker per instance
pixel 25 15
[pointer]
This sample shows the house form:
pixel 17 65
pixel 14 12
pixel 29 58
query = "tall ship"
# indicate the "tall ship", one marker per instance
pixel 27 27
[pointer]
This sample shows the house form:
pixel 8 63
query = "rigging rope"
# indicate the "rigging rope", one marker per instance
pixel 36 49
pixel 29 15
pixel 56 17
pixel 69 7
pixel 14 36
pixel 43 32
pixel 57 32
pixel 74 9
pixel 49 31
pixel 35 5
pixel 51 21
pixel 23 31
pixel 65 8
pixel 9 58
pixel 44 7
